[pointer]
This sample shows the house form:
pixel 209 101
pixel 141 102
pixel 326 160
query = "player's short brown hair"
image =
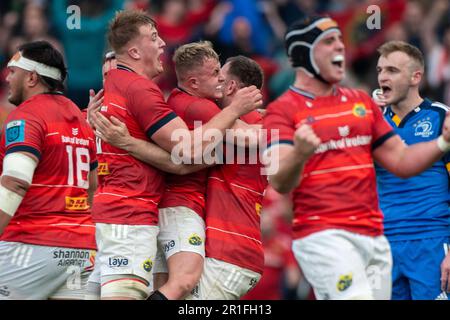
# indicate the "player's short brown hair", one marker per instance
pixel 411 51
pixel 191 56
pixel 125 27
pixel 248 71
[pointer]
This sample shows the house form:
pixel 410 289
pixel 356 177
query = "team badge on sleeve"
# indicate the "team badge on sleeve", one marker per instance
pixel 15 132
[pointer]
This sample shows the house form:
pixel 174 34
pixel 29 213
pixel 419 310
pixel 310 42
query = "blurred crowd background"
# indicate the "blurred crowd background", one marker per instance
pixel 254 28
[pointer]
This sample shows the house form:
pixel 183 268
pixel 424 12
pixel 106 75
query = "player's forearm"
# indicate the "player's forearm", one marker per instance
pixel 157 157
pixel 244 135
pixel 4 220
pixel 215 127
pixel 416 158
pixel 288 175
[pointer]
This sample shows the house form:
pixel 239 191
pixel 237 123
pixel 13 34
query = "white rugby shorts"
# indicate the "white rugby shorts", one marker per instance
pixel 40 272
pixel 342 265
pixel 181 230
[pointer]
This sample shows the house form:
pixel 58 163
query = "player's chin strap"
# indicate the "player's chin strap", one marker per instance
pixel 20 166
pixel 21 62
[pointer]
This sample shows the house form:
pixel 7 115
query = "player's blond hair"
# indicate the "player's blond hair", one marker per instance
pixel 192 55
pixel 411 51
pixel 124 27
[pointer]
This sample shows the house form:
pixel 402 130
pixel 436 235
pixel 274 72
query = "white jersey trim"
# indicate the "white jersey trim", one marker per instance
pixel 237 186
pixel 346 168
pixel 234 233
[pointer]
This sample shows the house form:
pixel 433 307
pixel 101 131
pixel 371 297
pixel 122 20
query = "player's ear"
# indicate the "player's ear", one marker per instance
pixel 32 79
pixel 134 53
pixel 231 87
pixel 193 82
pixel 416 77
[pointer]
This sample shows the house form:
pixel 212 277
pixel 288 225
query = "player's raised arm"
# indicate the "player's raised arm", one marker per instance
pixel 290 160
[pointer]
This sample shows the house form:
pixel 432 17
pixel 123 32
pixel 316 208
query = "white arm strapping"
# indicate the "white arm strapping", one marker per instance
pixel 20 166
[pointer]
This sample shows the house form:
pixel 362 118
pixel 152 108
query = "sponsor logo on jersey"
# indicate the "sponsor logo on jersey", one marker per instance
pixel 74 140
pixel 75 131
pixel 103 169
pixel 423 128
pixel 15 132
pixel 118 262
pixel 76 203
pixel 72 257
pixel 147 265
pixel 359 110
pixel 195 240
pixel 345 281
pixel 343 143
pixel 258 207
pixel 169 246
pixel 344 131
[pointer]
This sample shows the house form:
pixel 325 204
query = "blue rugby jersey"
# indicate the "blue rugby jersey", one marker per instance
pixel 416 207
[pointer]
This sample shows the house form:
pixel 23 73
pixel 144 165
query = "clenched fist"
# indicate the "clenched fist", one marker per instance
pixel 306 141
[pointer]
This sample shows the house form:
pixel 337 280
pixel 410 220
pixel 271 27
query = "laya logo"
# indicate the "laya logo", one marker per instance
pixel 117 262
pixel 423 128
pixel 169 246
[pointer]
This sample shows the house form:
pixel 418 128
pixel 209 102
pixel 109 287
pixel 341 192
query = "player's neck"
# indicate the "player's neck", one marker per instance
pixel 313 85
pixel 31 92
pixel 136 67
pixel 190 91
pixel 405 106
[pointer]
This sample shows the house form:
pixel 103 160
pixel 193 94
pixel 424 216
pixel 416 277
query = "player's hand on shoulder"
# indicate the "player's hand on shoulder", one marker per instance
pixel 112 130
pixel 306 141
pixel 247 99
pixel 95 103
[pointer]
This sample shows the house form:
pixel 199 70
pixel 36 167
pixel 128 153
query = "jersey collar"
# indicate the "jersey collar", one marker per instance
pixel 401 122
pixel 124 68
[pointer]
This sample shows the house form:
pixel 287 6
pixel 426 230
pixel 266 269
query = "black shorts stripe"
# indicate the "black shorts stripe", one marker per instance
pixel 382 139
pixel 24 149
pixel 161 123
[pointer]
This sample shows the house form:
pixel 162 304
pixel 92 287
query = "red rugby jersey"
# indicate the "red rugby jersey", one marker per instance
pixel 129 189
pixel 338 187
pixel 189 190
pixel 233 205
pixel 54 211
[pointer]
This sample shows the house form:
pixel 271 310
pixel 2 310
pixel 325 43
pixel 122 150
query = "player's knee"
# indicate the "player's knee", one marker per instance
pixel 124 288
